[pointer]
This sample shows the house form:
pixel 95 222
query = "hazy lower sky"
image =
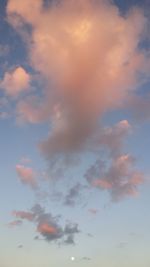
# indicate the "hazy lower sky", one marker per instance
pixel 74 118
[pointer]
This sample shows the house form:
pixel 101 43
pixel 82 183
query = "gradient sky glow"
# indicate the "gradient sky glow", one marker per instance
pixel 75 125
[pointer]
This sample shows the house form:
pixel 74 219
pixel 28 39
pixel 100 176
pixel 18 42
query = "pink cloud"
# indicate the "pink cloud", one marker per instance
pixel 102 184
pixel 16 81
pixel 88 55
pixel 120 178
pixel 24 215
pixel 31 110
pixel 26 175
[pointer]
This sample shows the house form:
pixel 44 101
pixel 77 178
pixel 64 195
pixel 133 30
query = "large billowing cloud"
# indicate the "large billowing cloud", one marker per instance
pixel 88 54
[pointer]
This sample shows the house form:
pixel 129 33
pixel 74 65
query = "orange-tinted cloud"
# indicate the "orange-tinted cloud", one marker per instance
pixel 45 228
pixel 15 82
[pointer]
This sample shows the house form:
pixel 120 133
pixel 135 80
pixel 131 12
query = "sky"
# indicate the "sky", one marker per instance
pixel 75 124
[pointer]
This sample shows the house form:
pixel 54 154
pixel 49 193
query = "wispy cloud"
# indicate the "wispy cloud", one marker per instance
pixel 15 223
pixel 73 194
pixel 26 175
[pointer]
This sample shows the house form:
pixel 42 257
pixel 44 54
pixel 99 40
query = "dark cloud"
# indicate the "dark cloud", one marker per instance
pixel 69 240
pixel 74 194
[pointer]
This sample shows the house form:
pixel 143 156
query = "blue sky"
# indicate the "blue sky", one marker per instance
pixel 74 116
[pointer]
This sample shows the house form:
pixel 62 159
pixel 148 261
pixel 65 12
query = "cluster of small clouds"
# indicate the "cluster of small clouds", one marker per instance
pixel 47 225
pixel 120 179
pixel 117 174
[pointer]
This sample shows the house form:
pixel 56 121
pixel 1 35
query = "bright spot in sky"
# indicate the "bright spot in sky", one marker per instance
pixel 72 258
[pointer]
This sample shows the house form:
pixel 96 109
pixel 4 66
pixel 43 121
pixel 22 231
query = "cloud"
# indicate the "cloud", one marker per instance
pixel 73 194
pixel 70 230
pixel 45 228
pixel 114 172
pixel 26 175
pixel 69 240
pixel 48 225
pixel 120 178
pixel 15 223
pixel 112 138
pixel 88 55
pixel 33 110
pixel 15 82
pixel 24 215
